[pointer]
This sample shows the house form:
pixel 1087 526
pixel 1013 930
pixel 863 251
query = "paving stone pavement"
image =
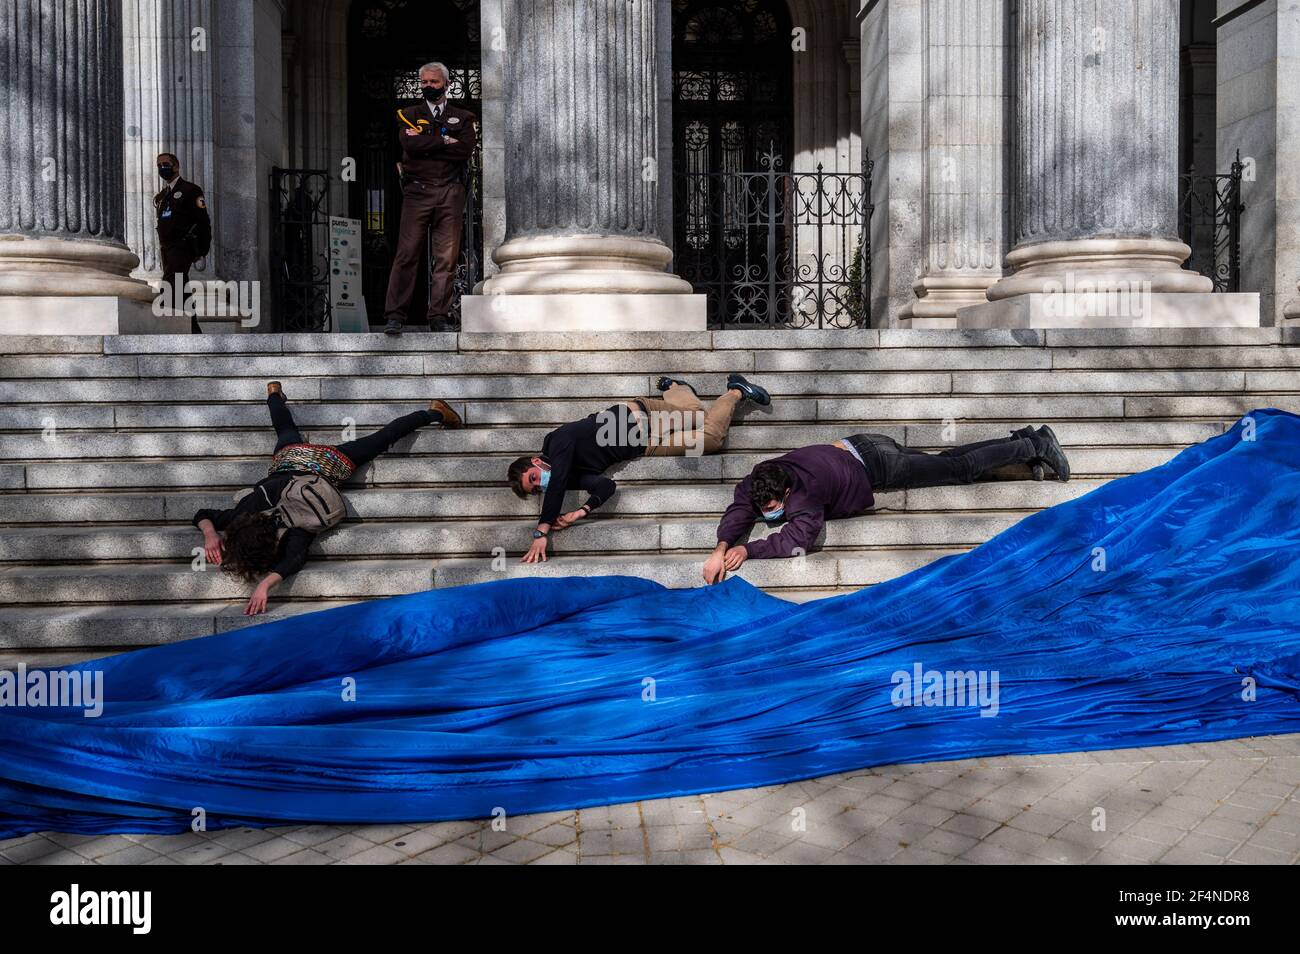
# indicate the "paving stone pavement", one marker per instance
pixel 1233 802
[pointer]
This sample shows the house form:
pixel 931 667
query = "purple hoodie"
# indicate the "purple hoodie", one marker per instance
pixel 828 483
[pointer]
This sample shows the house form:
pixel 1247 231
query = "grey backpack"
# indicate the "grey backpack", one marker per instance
pixel 308 502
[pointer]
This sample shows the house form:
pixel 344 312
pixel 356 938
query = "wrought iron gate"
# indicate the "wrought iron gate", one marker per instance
pixel 300 249
pixel 777 249
pixel 1209 212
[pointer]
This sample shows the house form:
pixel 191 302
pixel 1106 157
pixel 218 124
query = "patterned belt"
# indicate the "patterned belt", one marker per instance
pixel 320 459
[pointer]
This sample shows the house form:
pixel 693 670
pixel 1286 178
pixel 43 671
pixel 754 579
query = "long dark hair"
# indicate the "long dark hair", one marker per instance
pixel 251 544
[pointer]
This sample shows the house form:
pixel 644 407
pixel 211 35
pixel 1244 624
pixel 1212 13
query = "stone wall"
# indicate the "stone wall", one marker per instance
pixel 1258 61
pixel 892 119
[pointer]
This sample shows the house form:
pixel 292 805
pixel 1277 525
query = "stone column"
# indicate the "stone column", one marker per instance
pixel 64 265
pixel 582 249
pixel 168 108
pixel 1096 174
pixel 965 204
pixel 1097 154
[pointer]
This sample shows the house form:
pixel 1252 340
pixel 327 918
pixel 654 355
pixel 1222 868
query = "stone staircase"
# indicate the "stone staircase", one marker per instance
pixel 111 444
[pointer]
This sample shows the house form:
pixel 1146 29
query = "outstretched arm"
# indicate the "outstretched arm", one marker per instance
pixel 211 540
pixel 599 490
pixel 737 520
pixel 257 602
pixel 796 537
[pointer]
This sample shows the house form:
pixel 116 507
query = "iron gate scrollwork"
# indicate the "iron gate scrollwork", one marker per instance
pixel 300 249
pixel 775 248
pixel 1209 213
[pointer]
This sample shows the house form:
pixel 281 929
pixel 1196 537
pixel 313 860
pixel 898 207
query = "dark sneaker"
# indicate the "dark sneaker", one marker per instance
pixel 449 416
pixel 1050 450
pixel 1036 469
pixel 394 327
pixel 665 382
pixel 750 392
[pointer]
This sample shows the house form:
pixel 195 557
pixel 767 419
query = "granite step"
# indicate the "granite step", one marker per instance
pixel 409 471
pixel 25 546
pixel 334 365
pixel 461 503
pixel 350 387
pixel 757 340
pixel 357 579
pixel 178 582
pixel 93 445
pixel 52 418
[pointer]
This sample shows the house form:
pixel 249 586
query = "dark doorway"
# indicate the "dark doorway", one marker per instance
pixel 388 41
pixel 732 75
pixel 732 121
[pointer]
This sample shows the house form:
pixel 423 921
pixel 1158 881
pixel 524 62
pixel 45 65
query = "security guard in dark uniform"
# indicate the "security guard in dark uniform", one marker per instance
pixel 184 229
pixel 437 141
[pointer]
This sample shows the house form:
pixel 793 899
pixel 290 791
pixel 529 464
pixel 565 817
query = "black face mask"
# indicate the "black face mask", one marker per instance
pixel 166 172
pixel 434 93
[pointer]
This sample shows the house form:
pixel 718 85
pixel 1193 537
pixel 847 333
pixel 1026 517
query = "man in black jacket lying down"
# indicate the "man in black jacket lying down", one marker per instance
pixel 575 456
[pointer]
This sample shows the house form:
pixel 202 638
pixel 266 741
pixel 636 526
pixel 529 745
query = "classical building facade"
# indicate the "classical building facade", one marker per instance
pixel 907 162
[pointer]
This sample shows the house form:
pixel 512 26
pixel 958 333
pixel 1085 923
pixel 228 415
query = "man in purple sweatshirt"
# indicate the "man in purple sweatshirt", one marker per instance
pixel 810 485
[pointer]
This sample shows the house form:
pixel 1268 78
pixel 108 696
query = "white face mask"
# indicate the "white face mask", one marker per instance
pixel 777 514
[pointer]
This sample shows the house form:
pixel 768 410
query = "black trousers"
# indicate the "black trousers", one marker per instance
pixel 360 451
pixel 891 466
pixel 176 262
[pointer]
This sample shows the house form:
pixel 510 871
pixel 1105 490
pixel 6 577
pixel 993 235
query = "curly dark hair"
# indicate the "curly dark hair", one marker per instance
pixel 515 474
pixel 771 481
pixel 251 545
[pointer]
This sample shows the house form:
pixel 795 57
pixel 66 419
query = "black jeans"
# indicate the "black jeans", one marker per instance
pixel 360 451
pixel 891 466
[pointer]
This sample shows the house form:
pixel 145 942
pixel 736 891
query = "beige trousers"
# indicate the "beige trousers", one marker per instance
pixel 679 425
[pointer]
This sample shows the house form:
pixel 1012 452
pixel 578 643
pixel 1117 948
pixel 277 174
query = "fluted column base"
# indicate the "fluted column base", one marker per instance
pixel 938 297
pixel 584 265
pixel 44 267
pixel 1054 267
pixel 1291 312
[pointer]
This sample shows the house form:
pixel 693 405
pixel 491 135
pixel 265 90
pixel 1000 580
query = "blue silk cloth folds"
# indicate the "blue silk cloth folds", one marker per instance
pixel 1160 608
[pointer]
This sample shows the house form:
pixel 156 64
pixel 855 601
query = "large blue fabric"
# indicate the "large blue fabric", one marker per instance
pixel 532 694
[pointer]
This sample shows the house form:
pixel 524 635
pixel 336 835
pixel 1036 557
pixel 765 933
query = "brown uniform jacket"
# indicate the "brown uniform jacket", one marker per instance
pixel 428 157
pixel 183 220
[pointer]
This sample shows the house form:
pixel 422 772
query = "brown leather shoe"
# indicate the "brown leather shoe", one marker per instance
pixel 273 387
pixel 449 417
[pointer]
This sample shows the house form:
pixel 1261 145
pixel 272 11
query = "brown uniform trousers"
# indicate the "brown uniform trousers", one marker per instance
pixel 680 425
pixel 438 210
